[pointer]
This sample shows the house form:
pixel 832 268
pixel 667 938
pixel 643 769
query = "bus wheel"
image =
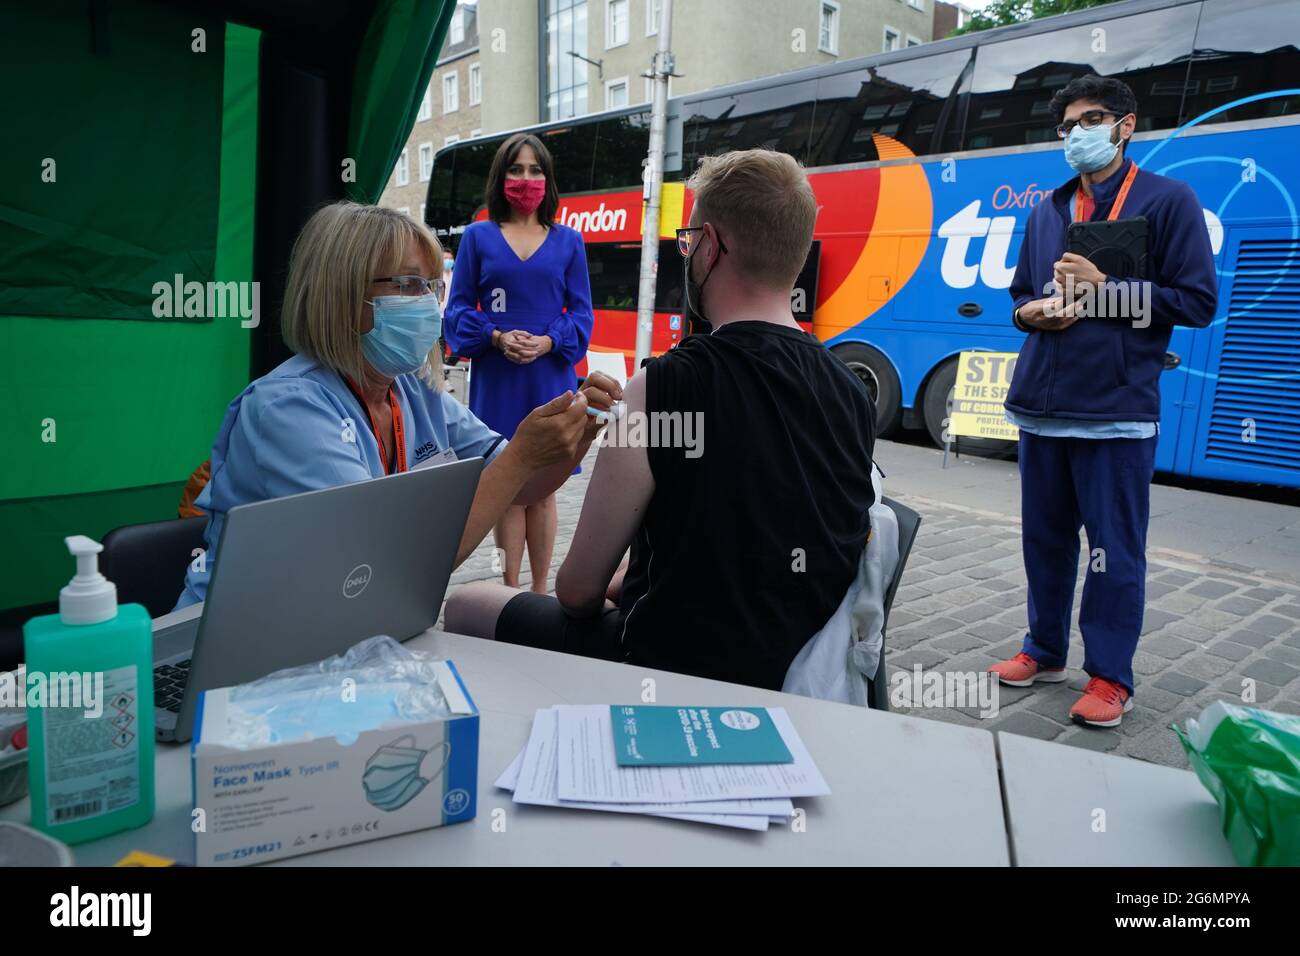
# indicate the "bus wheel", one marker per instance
pixel 881 380
pixel 938 395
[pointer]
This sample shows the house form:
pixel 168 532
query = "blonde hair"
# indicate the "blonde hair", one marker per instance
pixel 335 259
pixel 764 208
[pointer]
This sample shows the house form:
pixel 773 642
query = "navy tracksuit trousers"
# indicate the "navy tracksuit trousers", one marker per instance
pixel 1104 486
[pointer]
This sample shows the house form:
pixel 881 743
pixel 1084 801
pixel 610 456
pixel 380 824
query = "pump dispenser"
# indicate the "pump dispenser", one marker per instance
pixel 89 698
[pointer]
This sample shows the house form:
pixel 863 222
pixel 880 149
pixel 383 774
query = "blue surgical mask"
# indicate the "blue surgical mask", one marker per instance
pixel 283 714
pixel 1088 150
pixel 406 329
pixel 392 775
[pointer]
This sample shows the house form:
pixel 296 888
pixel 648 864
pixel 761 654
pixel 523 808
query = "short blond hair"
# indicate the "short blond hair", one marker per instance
pixel 763 207
pixel 335 258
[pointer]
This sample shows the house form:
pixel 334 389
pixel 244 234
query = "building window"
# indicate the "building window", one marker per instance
pixel 912 41
pixel 653 14
pixel 475 132
pixel 450 92
pixel 426 105
pixel 615 93
pixel 892 38
pixel 458 26
pixel 566 74
pixel 475 84
pixel 828 30
pixel 404 168
pixel 426 161
pixel 421 212
pixel 615 23
pixel 453 138
pixel 916 4
pixel 404 210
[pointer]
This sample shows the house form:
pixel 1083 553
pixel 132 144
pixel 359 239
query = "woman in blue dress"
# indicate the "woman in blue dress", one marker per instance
pixel 520 308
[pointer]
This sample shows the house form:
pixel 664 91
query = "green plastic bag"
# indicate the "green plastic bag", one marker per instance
pixel 1249 759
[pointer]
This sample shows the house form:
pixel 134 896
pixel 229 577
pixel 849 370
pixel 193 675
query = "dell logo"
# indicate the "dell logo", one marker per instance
pixel 356 580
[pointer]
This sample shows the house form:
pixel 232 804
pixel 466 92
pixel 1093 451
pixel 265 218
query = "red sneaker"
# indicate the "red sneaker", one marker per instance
pixel 1103 704
pixel 1022 670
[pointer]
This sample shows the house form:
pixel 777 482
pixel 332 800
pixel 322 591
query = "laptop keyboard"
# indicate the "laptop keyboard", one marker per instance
pixel 169 685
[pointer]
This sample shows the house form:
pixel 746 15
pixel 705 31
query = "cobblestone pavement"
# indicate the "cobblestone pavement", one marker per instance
pixel 1212 630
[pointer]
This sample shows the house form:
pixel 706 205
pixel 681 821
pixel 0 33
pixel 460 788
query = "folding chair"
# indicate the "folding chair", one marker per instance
pixel 909 522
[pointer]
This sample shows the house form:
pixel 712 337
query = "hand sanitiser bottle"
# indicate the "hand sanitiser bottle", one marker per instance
pixel 90 708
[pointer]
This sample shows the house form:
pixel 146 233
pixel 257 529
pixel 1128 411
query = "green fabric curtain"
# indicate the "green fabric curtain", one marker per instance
pixel 108 178
pixel 131 406
pixel 396 62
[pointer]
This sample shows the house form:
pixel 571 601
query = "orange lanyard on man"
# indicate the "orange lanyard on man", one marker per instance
pixel 1084 205
pixel 399 438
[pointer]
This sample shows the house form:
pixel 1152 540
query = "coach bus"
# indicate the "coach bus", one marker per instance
pixel 926 162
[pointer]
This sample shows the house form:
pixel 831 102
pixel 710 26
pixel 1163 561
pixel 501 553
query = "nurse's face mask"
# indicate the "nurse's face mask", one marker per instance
pixel 392 775
pixel 407 325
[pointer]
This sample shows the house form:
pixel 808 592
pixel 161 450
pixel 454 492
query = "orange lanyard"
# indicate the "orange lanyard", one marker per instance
pixel 399 437
pixel 1081 196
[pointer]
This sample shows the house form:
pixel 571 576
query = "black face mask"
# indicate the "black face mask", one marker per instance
pixel 695 298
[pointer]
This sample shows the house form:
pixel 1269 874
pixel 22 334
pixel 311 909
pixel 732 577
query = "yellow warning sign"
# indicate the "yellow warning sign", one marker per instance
pixel 983 379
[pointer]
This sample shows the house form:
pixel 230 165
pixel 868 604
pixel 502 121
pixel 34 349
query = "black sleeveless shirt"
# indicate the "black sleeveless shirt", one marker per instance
pixel 760 515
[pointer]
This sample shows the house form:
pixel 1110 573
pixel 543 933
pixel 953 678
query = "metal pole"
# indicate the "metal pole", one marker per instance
pixel 661 68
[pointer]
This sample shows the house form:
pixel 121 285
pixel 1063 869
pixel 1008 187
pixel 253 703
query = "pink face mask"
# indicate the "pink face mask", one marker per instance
pixel 525 194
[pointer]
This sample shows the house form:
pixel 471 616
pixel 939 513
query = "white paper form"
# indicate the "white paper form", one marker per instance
pixel 535 784
pixel 589 770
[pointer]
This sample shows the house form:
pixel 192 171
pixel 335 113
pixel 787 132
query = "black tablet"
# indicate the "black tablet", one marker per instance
pixel 1118 248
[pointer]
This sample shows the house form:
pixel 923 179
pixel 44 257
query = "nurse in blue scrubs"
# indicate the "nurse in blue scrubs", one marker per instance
pixel 362 397
pixel 520 308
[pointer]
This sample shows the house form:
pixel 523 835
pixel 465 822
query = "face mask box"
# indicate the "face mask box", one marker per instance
pixel 278 800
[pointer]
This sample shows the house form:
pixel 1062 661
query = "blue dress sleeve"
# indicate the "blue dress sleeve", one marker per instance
pixel 467 436
pixel 465 326
pixel 297 441
pixel 570 331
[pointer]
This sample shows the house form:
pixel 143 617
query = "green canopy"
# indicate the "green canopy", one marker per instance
pixel 154 145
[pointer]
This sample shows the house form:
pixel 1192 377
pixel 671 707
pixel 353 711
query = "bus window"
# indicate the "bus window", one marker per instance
pixel 615 271
pixel 472 162
pixel 1245 47
pixel 1015 79
pixel 777 117
pixel 573 147
pixel 438 201
pixel 670 290
pixel 913 101
pixel 622 144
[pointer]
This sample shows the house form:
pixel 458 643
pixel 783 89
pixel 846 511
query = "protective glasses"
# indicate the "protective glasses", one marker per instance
pixel 414 285
pixel 1089 120
pixel 686 239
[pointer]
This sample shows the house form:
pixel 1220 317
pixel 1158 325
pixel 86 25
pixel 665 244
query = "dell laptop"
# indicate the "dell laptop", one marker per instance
pixel 302 578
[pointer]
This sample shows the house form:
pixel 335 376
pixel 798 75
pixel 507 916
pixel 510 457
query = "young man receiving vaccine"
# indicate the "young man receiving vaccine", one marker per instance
pixel 1086 394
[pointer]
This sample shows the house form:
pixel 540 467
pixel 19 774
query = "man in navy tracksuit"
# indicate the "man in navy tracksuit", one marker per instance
pixel 1086 395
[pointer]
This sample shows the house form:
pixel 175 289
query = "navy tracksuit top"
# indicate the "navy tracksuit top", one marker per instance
pixel 1105 369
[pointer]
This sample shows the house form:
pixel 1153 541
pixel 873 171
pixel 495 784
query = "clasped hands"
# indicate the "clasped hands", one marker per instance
pixel 522 347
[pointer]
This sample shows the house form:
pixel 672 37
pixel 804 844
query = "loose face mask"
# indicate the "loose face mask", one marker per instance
pixel 1088 150
pixel 695 290
pixel 525 194
pixel 392 775
pixel 406 329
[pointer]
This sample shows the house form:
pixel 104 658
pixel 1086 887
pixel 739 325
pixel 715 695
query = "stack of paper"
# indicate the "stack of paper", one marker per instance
pixel 570 761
